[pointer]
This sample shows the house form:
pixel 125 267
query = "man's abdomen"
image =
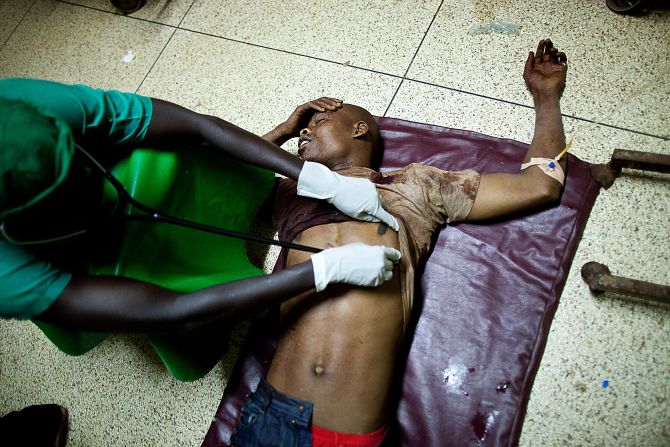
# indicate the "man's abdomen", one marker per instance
pixel 337 348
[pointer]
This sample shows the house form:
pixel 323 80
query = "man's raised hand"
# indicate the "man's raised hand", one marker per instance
pixel 302 114
pixel 545 71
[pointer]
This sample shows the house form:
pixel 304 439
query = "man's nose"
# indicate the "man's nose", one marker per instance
pixel 304 131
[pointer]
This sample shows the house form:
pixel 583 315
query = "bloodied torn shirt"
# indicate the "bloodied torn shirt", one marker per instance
pixel 422 198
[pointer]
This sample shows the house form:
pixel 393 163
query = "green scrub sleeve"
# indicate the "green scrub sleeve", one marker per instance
pixel 29 284
pixel 110 116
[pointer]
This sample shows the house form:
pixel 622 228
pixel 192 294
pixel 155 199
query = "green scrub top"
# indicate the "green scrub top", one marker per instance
pixel 30 284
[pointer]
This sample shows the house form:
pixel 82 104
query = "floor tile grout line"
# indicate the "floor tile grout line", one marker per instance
pixel 156 61
pixel 186 13
pixel 565 115
pixel 393 97
pixel 292 53
pixel 422 39
pixel 624 129
pixel 25 14
pixel 418 48
pixel 403 78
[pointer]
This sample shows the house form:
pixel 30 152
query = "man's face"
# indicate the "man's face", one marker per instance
pixel 327 138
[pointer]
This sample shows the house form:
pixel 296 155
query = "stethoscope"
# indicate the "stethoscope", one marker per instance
pixel 152 215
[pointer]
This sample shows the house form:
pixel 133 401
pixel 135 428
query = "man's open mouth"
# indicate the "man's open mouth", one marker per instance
pixel 301 145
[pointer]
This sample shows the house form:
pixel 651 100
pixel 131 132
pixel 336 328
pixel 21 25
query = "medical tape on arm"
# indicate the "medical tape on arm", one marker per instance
pixel 549 166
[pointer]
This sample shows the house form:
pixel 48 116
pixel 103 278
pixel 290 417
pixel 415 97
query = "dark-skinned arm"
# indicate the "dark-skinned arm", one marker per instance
pixel 502 194
pixel 172 123
pixel 112 304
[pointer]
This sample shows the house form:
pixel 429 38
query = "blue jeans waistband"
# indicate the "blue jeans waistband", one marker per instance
pixel 299 410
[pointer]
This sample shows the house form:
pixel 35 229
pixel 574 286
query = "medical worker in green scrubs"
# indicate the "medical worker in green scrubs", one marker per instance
pixel 40 122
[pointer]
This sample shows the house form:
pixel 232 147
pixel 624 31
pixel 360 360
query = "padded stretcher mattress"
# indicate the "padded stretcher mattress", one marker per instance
pixel 483 306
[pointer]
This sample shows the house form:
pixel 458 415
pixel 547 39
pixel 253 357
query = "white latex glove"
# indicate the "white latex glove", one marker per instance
pixel 355 197
pixel 357 264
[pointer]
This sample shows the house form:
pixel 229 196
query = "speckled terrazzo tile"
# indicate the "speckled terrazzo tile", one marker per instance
pixel 595 339
pixel 592 339
pixel 169 12
pixel 11 13
pixel 617 74
pixel 429 104
pixel 376 34
pixel 118 394
pixel 72 44
pixel 594 143
pixel 253 87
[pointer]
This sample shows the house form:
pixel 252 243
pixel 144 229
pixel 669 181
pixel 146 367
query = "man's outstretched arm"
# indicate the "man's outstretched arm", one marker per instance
pixel 503 194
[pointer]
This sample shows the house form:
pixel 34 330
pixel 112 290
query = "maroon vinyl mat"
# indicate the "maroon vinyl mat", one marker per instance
pixel 483 306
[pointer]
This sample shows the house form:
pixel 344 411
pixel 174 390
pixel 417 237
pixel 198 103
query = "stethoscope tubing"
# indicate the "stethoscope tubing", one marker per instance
pixel 153 215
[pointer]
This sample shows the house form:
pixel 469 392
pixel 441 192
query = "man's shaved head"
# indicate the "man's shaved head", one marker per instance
pixel 373 136
pixel 348 136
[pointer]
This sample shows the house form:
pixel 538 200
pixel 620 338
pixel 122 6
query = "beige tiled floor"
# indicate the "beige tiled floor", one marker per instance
pixel 617 73
pixel 11 13
pixel 363 33
pixel 69 43
pixel 252 62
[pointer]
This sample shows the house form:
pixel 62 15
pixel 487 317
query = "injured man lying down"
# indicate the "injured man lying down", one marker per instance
pixel 330 379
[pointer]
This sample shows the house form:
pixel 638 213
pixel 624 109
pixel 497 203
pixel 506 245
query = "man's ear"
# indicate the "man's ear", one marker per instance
pixel 360 129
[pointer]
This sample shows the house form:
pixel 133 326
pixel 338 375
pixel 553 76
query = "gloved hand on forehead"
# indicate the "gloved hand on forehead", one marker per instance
pixel 355 197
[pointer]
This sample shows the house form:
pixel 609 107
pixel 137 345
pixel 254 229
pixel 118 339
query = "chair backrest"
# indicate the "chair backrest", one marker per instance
pixel 196 185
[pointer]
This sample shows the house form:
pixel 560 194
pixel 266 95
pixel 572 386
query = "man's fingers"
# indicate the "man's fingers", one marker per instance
pixel 317 105
pixel 335 101
pixel 530 58
pixel 530 63
pixel 330 103
pixel 326 104
pixel 323 104
pixel 562 58
pixel 539 52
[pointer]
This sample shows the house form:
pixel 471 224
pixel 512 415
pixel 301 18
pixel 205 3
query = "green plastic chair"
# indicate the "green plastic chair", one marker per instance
pixel 196 185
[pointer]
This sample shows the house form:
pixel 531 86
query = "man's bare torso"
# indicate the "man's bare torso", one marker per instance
pixel 337 348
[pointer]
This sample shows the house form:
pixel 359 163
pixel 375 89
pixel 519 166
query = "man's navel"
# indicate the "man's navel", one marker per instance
pixel 318 369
